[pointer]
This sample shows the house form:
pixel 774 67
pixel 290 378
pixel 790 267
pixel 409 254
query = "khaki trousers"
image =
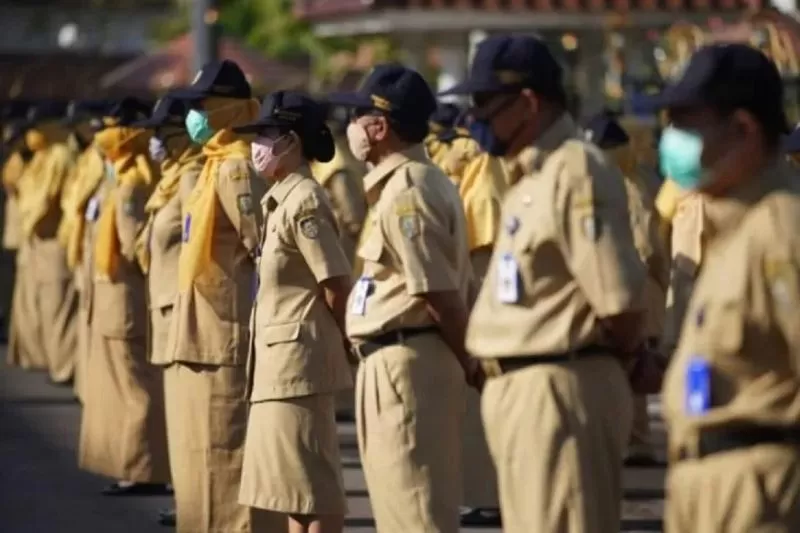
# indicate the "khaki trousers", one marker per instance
pixel 207 417
pixel 123 434
pixel 58 311
pixel 82 354
pixel 480 478
pixel 409 405
pixel 557 434
pixel 26 346
pixel 751 490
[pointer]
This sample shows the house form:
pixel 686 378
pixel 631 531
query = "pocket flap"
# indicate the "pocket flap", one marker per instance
pixel 281 333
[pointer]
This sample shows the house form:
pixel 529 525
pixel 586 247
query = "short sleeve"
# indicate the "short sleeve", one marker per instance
pixel 237 193
pixel 131 217
pixel 482 199
pixel 418 231
pixel 597 238
pixel 314 227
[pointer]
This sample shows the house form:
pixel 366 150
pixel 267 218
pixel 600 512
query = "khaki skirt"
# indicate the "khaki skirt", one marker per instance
pixel 291 457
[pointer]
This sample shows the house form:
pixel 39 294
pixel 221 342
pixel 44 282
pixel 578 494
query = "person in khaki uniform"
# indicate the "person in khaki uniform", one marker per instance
pixel 604 131
pixel 297 361
pixel 17 156
pixel 123 432
pixel 559 311
pixel 482 182
pixel 407 312
pixel 732 391
pixel 81 207
pixel 54 300
pixel 209 334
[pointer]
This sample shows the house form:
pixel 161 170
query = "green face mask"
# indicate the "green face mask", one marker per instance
pixel 197 126
pixel 680 151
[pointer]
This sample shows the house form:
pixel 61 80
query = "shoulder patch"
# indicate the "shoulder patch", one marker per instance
pixel 309 227
pixel 409 225
pixel 129 206
pixel 781 280
pixel 245 204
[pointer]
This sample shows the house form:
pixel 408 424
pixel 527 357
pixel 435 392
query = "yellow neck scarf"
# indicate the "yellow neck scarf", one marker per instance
pixel 89 173
pixel 127 149
pixel 200 208
pixel 172 171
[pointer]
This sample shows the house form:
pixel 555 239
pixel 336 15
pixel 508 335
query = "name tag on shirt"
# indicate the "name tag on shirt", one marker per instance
pixel 698 386
pixel 92 209
pixel 507 288
pixel 360 293
pixel 187 227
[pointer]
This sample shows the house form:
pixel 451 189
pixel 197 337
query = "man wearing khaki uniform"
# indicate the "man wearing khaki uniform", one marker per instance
pixel 407 311
pixel 559 307
pixel 732 391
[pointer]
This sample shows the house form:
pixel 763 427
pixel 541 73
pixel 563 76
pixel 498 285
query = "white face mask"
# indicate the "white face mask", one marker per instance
pixel 358 140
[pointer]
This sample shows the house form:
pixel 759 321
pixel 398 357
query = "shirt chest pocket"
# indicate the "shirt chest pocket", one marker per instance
pixel 283 357
pixel 371 250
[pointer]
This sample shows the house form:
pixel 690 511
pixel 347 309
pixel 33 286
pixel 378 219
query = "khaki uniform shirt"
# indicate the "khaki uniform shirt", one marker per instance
pixel 565 258
pixel 415 243
pixel 13 168
pixel 298 346
pixel 119 305
pixel 210 321
pixel 743 316
pixel 689 235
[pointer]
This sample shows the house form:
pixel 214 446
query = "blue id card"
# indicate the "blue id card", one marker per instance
pixel 698 386
pixel 187 226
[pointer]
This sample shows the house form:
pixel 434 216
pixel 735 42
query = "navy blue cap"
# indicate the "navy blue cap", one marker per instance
pixel 15 109
pixel 460 128
pixel 791 143
pixel 82 110
pixel 445 115
pixel 46 110
pixel 295 111
pixel 129 111
pixel 604 131
pixel 506 63
pixel 168 111
pixel 218 78
pixel 399 92
pixel 730 77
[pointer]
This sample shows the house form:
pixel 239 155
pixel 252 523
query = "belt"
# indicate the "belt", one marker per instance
pixel 498 366
pixel 398 336
pixel 719 440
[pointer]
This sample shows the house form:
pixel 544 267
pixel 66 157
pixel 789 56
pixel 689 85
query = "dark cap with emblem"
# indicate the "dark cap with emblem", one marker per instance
pixel 295 111
pixel 401 93
pixel 508 63
pixel 46 111
pixel 728 77
pixel 128 112
pixel 604 131
pixel 87 110
pixel 222 79
pixel 168 112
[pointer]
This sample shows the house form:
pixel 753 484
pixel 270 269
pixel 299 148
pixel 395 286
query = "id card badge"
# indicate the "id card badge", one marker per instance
pixel 187 227
pixel 360 294
pixel 92 209
pixel 698 386
pixel 507 288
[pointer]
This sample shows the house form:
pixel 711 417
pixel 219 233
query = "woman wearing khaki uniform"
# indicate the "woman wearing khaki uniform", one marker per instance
pixel 158 247
pixel 209 334
pixel 298 360
pixel 122 430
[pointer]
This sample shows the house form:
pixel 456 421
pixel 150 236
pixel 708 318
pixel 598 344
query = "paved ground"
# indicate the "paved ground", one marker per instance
pixel 44 492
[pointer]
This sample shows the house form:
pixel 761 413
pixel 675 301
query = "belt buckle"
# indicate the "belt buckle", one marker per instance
pixel 491 367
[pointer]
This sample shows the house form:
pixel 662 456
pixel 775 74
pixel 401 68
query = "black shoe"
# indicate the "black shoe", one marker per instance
pixel 136 489
pixel 481 518
pixel 643 460
pixel 166 517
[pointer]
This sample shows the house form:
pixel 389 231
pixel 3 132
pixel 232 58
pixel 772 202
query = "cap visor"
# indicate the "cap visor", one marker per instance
pixel 149 124
pixel 190 94
pixel 473 86
pixel 262 124
pixel 350 100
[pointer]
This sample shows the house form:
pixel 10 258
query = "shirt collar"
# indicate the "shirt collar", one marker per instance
pixel 385 168
pixel 726 212
pixel 280 190
pixel 562 129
